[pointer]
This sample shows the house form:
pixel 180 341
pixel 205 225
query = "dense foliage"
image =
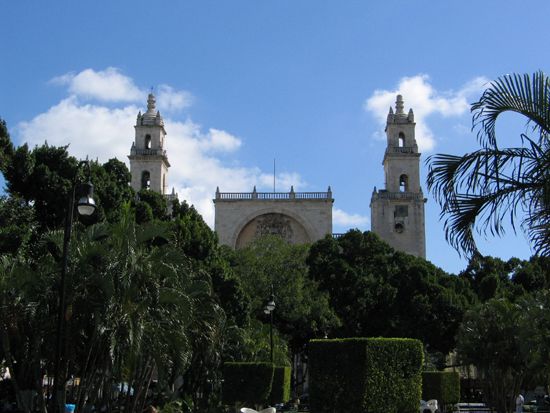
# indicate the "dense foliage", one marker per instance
pixel 280 389
pixel 271 265
pixel 247 384
pixel 379 292
pixel 443 386
pixel 365 375
pixel 509 343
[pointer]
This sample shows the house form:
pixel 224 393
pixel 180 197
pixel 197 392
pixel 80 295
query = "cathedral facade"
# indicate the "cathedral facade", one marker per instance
pixel 397 211
pixel 297 217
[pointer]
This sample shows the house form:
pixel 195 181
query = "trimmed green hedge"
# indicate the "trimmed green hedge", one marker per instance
pixel 441 385
pixel 248 383
pixel 358 375
pixel 280 389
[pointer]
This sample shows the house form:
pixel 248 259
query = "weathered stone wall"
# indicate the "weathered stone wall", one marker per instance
pixel 157 169
pixel 388 221
pixel 239 221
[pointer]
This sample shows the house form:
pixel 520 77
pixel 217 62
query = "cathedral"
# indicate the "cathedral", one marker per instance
pixel 397 211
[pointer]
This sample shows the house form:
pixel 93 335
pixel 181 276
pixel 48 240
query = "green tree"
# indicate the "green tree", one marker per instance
pixel 127 295
pixel 480 189
pixel 193 236
pixel 533 275
pixel 377 291
pixel 157 202
pixel 149 297
pixel 536 307
pixel 6 146
pixel 27 296
pixel 508 342
pixel 44 178
pixel 17 224
pixel 112 189
pixel 491 277
pixel 270 264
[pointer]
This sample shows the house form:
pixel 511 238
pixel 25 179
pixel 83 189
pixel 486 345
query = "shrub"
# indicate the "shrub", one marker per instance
pixel 365 375
pixel 280 389
pixel 441 385
pixel 248 383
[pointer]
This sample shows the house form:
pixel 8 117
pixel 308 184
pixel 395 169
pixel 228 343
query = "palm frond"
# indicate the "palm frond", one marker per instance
pixel 528 95
pixel 478 191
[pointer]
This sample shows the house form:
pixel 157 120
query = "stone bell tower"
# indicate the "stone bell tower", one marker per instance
pixel 148 160
pixel 397 212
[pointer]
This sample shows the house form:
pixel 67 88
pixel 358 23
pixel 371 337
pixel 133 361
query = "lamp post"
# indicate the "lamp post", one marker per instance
pixel 269 308
pixel 85 206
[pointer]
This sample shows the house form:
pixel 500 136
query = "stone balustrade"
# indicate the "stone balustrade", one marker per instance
pixel 272 196
pixel 398 195
pixel 136 151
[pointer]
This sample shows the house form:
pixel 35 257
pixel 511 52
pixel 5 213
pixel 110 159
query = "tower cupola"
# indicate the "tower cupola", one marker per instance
pixel 152 116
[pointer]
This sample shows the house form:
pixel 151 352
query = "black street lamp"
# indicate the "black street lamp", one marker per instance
pixel 85 206
pixel 269 308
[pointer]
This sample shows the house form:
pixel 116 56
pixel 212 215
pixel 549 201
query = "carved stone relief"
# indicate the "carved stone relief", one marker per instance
pixel 274 224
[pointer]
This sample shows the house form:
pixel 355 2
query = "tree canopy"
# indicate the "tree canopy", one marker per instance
pixel 379 292
pixel 270 265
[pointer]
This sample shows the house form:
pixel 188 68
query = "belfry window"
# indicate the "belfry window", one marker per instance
pixel 401 140
pixel 403 183
pixel 147 141
pixel 145 180
pixel 401 211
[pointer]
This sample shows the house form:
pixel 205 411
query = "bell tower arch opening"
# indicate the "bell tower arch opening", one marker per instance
pixel 145 180
pixel 401 140
pixel 403 183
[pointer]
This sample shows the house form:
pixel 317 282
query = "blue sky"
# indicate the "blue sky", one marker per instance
pixel 240 83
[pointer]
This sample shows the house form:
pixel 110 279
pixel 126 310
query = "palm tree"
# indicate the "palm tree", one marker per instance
pixel 480 190
pixel 135 305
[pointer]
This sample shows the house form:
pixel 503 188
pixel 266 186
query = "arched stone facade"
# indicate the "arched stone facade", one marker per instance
pixel 297 217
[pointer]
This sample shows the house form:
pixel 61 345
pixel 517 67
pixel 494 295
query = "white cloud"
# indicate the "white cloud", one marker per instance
pixel 110 85
pixel 219 140
pixel 343 219
pixel 91 130
pixel 420 95
pixel 107 85
pixel 103 132
pixel 171 100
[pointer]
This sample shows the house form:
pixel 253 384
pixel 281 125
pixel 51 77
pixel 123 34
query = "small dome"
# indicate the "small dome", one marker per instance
pixel 152 116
